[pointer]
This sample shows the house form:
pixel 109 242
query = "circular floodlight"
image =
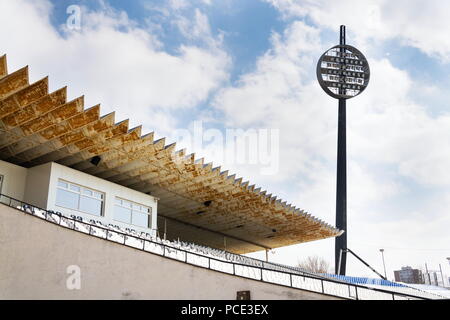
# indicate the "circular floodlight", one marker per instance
pixel 343 72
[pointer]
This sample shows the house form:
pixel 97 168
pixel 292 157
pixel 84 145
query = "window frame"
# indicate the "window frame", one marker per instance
pixel 80 194
pixel 131 206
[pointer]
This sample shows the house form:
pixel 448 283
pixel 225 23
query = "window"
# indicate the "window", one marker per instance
pixel 132 213
pixel 75 197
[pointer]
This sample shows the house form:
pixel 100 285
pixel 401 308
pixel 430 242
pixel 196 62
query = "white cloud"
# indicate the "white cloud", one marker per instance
pixel 387 127
pixel 414 22
pixel 277 76
pixel 196 28
pixel 278 95
pixel 178 4
pixel 113 62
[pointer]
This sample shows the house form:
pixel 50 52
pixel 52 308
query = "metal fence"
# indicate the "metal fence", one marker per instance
pixel 304 281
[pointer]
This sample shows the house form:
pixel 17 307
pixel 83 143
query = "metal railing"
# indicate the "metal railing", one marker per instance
pixel 295 280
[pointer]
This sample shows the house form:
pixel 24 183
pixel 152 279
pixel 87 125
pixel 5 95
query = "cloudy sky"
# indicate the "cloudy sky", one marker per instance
pixel 250 65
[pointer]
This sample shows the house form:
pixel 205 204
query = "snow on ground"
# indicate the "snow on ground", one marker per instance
pixel 431 289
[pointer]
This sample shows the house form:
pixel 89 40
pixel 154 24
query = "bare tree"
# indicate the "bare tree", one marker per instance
pixel 314 264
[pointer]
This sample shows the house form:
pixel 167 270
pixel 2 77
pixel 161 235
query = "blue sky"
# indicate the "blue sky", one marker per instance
pixel 251 65
pixel 250 23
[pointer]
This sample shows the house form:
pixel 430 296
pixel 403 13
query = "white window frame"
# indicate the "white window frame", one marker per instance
pixel 80 193
pixel 148 212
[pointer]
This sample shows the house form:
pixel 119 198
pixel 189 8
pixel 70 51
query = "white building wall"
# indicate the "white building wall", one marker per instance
pixel 42 187
pixel 37 186
pixel 14 180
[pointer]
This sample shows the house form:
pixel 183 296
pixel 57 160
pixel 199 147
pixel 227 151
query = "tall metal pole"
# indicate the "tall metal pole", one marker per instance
pixel 442 276
pixel 341 183
pixel 429 277
pixel 333 77
pixel 384 265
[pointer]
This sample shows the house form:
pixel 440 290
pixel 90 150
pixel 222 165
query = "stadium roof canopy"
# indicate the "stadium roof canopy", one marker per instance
pixel 197 202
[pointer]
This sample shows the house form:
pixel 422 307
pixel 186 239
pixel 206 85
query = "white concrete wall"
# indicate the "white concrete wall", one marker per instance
pixel 39 258
pixel 42 187
pixel 14 180
pixel 37 186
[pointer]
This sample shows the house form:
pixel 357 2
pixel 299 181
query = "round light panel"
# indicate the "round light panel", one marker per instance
pixel 343 72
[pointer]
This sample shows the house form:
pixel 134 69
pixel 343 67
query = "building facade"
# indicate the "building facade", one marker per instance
pixel 55 187
pixel 409 275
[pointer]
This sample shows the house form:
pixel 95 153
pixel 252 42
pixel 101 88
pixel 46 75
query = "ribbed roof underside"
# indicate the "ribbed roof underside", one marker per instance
pixel 37 127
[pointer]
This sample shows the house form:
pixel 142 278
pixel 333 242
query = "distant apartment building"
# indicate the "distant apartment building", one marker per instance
pixel 409 275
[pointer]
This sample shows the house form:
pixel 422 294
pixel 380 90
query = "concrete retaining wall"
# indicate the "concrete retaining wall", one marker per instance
pixel 39 259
